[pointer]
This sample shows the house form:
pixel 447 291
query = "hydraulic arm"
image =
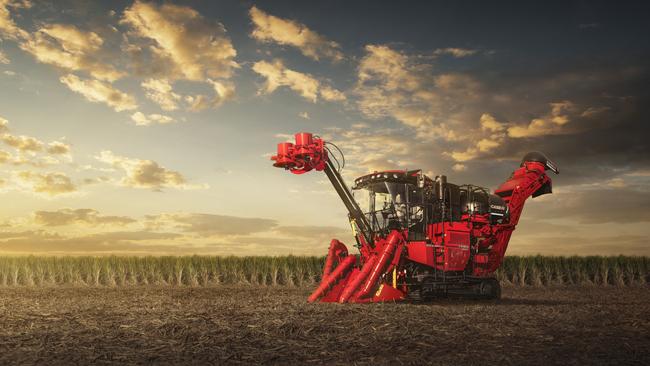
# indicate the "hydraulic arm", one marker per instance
pixel 311 152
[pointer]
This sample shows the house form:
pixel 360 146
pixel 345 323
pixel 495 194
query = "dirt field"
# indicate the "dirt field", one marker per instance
pixel 243 325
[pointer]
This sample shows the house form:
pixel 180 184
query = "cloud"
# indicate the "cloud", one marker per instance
pixel 459 167
pixel 455 52
pixel 58 148
pixel 51 184
pixel 23 143
pixel 490 137
pixel 494 135
pixel 27 159
pixel 144 173
pixel 8 28
pixel 393 84
pixel 67 47
pixel 141 119
pixel 269 28
pixel 3 59
pixel 489 123
pixel 193 47
pixel 209 224
pixel 277 75
pixel 548 125
pixel 223 91
pixel 161 92
pixel 5 157
pixel 100 92
pixel 368 150
pixel 167 233
pixel 30 149
pixel 118 236
pixel 86 216
pixel 332 95
pixel 35 234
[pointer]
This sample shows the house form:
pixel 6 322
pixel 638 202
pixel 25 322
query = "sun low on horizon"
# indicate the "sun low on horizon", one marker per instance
pixel 146 128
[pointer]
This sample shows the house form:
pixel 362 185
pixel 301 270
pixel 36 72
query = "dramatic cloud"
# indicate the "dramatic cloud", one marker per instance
pixel 67 47
pixel 209 224
pixel 269 28
pixel 493 134
pixel 51 184
pixel 490 136
pixel 86 216
pixel 548 125
pixel 99 92
pixel 277 75
pixel 195 48
pixel 144 173
pixel 393 84
pixel 141 119
pixel 462 111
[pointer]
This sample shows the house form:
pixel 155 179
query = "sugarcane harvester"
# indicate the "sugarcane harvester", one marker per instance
pixel 417 237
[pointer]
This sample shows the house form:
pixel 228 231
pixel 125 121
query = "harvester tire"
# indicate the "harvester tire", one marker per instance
pixel 490 289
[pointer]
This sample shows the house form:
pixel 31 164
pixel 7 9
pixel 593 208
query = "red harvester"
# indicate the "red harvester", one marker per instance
pixel 417 237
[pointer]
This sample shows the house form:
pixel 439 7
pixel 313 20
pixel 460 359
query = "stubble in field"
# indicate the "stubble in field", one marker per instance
pixel 249 324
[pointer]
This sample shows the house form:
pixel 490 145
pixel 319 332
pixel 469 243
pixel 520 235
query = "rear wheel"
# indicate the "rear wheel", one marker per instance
pixel 490 289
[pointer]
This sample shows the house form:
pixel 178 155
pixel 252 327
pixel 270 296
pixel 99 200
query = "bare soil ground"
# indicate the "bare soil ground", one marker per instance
pixel 247 325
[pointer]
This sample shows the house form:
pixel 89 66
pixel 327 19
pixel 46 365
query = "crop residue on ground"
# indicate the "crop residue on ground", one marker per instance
pixel 253 324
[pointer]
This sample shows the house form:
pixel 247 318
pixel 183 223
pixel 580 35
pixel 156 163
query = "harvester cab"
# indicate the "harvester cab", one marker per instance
pixel 417 237
pixel 393 200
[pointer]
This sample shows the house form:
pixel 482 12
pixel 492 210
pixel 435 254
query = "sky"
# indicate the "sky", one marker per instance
pixel 146 128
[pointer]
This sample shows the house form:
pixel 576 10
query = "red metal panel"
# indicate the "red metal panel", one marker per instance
pixel 456 250
pixel 481 258
pixel 420 252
